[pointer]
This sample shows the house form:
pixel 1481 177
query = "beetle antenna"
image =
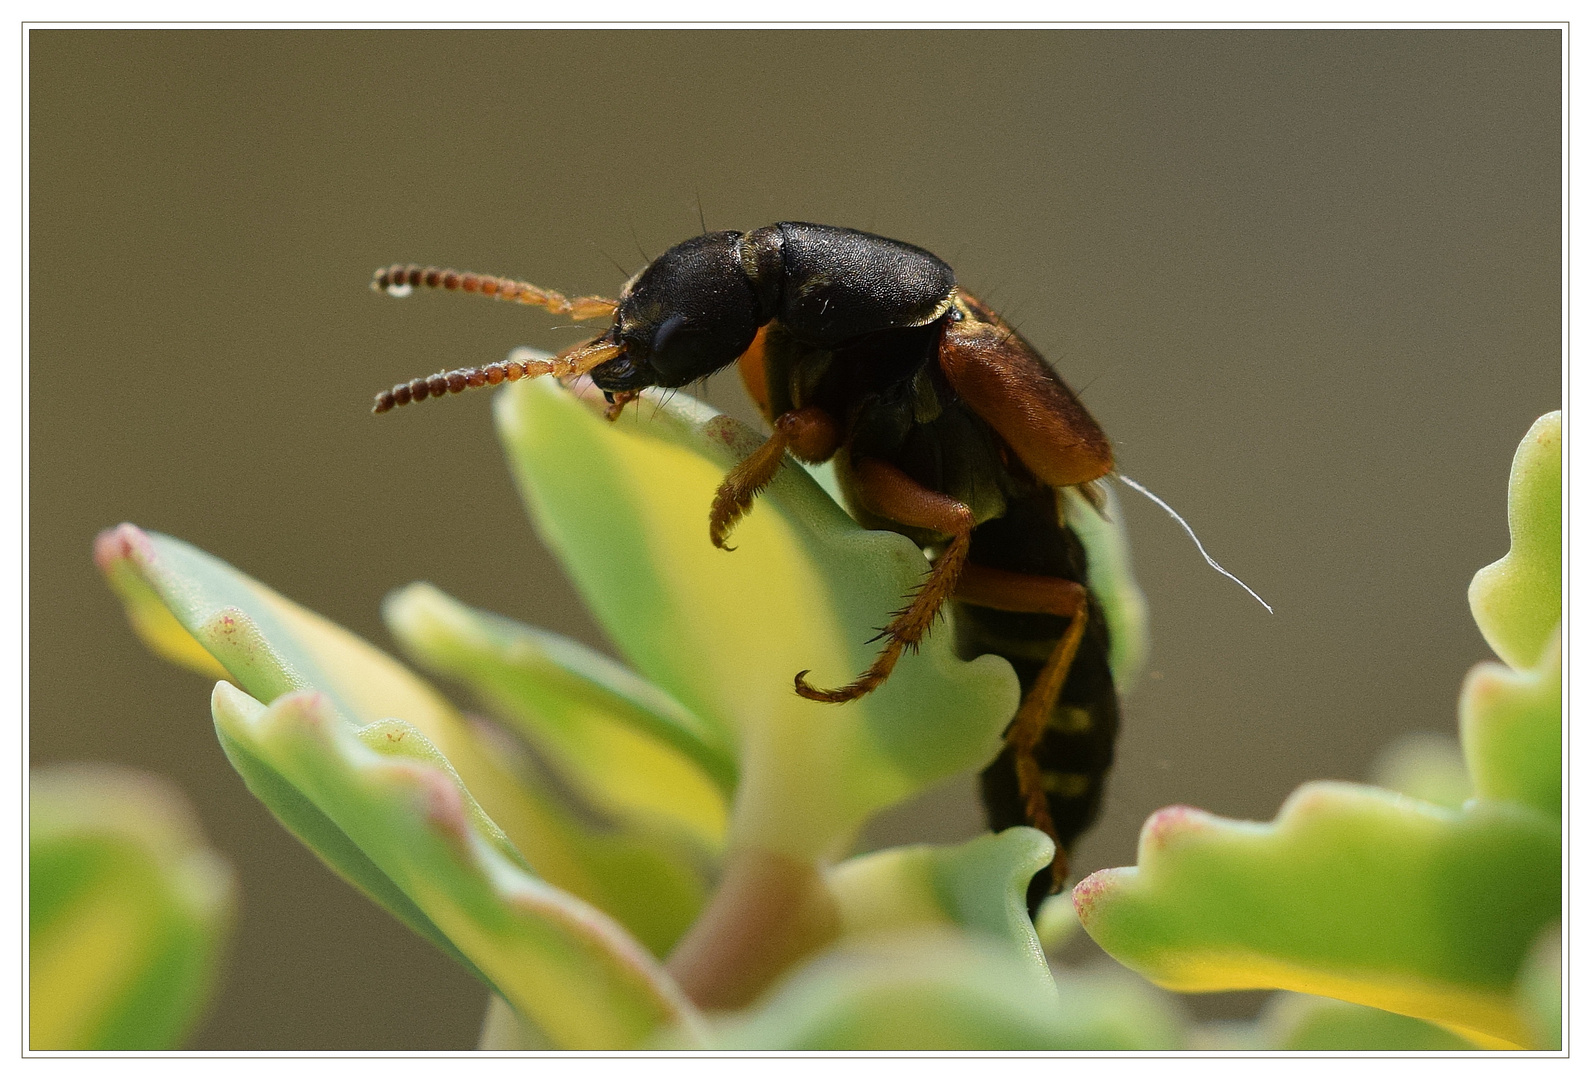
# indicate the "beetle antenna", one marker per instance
pixel 401 279
pixel 521 364
pixel 1158 501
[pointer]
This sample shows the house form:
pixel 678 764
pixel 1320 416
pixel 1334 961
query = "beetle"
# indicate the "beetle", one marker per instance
pixel 944 424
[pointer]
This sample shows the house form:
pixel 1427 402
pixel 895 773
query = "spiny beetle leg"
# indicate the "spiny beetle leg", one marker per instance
pixel 888 492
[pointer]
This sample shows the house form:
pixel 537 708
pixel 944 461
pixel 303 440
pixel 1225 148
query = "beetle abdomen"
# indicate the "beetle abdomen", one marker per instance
pixel 1078 744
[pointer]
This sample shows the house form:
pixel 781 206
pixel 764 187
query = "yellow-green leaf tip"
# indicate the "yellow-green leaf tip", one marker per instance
pixel 1516 600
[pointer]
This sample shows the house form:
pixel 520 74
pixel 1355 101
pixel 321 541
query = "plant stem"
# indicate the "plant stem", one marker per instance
pixel 769 911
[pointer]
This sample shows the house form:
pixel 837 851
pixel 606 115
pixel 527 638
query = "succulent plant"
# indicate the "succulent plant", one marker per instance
pixel 128 910
pixel 653 855
pixel 1377 896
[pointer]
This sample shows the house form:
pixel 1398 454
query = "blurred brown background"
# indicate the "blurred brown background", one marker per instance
pixel 1308 282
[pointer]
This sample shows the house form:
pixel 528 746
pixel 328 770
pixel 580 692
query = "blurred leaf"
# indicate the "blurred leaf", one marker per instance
pixel 127 911
pixel 1056 922
pixel 980 886
pixel 936 989
pixel 918 991
pixel 625 508
pixel 1511 723
pixel 1424 766
pixel 1517 600
pixel 1540 990
pixel 1353 893
pixel 1303 1022
pixel 505 1029
pixel 389 791
pixel 1110 579
pixel 1106 1007
pixel 271 646
pixel 631 749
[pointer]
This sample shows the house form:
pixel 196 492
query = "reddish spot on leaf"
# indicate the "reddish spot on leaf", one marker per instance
pixel 1086 893
pixel 1165 825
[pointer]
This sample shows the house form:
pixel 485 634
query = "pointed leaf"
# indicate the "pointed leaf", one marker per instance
pixel 270 646
pixel 630 749
pixel 1353 892
pixel 1517 600
pixel 564 965
pixel 1511 722
pixel 625 508
pixel 127 911
pixel 151 619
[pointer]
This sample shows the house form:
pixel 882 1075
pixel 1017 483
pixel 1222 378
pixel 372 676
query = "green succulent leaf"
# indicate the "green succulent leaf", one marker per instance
pixel 938 989
pixel 979 886
pixel 270 646
pixel 633 751
pixel 624 506
pixel 1511 724
pixel 1425 766
pixel 1353 892
pixel 1110 579
pixel 921 991
pixel 1540 990
pixel 564 965
pixel 1310 1024
pixel 128 910
pixel 1517 600
pixel 1106 1007
pixel 1423 908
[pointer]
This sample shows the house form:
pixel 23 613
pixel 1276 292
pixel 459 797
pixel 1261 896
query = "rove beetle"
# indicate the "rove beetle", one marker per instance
pixel 945 425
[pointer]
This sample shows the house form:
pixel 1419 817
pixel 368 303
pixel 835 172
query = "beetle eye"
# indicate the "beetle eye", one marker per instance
pixel 666 331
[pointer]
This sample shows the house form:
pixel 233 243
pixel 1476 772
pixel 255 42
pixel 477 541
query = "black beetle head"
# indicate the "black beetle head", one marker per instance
pixel 688 314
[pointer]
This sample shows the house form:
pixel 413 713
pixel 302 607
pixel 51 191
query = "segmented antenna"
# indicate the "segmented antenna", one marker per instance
pixel 400 280
pixel 571 362
pixel 1158 501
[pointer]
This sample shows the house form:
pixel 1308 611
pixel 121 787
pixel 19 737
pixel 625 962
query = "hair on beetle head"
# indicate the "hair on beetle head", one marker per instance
pixel 1158 501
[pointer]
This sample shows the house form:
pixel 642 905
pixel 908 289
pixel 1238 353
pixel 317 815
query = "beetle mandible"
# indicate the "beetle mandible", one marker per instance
pixel 944 425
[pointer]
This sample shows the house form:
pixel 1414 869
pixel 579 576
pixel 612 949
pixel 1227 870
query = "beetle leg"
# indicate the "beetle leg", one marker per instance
pixel 890 493
pixel 1007 591
pixel 740 487
pixel 810 434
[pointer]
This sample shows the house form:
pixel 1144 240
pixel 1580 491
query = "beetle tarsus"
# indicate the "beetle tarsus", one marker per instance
pixel 905 631
pixel 742 486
